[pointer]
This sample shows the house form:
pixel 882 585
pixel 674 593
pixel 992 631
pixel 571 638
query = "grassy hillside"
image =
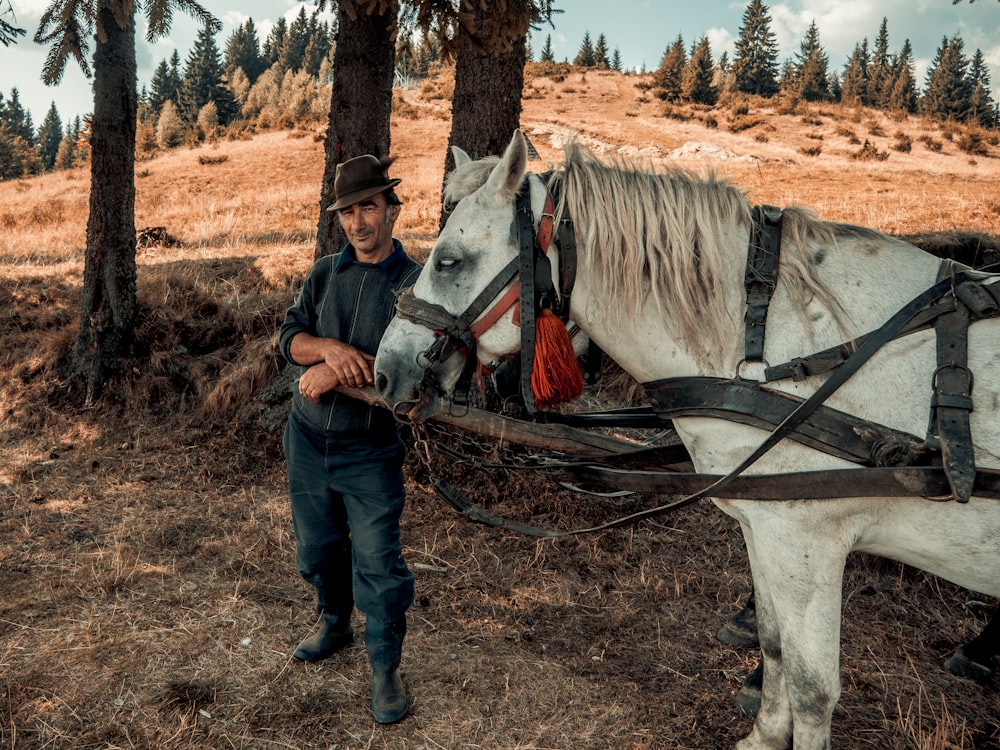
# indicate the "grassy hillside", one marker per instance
pixel 149 592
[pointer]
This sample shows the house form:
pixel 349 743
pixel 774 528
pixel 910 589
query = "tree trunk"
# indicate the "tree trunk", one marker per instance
pixel 486 105
pixel 108 313
pixel 361 101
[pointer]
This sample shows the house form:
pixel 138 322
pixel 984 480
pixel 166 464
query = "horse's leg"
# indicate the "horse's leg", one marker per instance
pixel 772 729
pixel 973 659
pixel 802 577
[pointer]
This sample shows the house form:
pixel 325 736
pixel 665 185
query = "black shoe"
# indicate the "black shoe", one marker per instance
pixel 389 701
pixel 334 634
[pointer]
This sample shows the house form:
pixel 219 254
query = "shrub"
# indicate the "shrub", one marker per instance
pixel 739 124
pixel 869 152
pixel 811 150
pixel 932 144
pixel 972 142
pixel 169 127
pixel 903 143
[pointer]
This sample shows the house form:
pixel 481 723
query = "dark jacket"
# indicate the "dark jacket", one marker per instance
pixel 352 302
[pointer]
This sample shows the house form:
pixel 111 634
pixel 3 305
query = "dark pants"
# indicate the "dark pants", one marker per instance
pixel 347 496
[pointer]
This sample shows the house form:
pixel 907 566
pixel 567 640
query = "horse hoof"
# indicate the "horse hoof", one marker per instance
pixel 739 632
pixel 749 697
pixel 961 665
pixel 737 637
pixel 748 701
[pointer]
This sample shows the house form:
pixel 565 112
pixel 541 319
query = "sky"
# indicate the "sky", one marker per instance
pixel 639 29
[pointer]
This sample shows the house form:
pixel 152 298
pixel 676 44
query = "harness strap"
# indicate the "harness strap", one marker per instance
pixel 760 276
pixel 952 399
pixel 526 263
pixel 437 318
pixel 912 481
pixel 801 368
pixel 812 485
pixel 826 429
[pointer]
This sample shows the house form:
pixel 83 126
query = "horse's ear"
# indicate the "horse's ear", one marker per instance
pixel 461 158
pixel 505 179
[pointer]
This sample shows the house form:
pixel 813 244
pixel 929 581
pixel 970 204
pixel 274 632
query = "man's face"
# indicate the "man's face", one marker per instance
pixel 368 226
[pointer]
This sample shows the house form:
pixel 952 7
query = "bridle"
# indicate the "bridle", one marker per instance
pixel 527 279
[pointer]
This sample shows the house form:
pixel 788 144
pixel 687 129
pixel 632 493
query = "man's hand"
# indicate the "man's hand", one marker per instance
pixel 350 366
pixel 316 381
pixel 333 363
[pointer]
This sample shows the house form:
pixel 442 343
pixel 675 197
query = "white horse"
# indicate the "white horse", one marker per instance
pixel 660 288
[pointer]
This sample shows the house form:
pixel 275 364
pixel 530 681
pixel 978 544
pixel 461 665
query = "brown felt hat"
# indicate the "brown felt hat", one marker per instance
pixel 360 178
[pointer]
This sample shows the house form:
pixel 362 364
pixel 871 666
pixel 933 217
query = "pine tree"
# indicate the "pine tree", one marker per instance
pixel 755 64
pixel 812 71
pixel 16 118
pixel 293 51
pixel 854 85
pixel 601 59
pixel 982 108
pixel 50 134
pixel 8 31
pixel 668 78
pixel 723 80
pixel 275 42
pixel 880 70
pixel 203 83
pixel 585 57
pixel 159 86
pixel 948 90
pixel 547 55
pixel 18 158
pixel 109 304
pixel 68 155
pixel 903 83
pixel 165 84
pixel 428 53
pixel 319 46
pixel 616 61
pixel 243 52
pixel 360 103
pixel 697 78
pixel 788 77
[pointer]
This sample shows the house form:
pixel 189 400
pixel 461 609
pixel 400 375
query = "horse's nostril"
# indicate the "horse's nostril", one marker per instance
pixel 381 381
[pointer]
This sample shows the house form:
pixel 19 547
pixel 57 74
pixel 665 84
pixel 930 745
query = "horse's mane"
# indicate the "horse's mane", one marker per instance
pixel 665 233
pixel 670 234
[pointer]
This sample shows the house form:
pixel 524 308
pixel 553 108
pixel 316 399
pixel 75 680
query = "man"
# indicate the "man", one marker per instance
pixel 345 457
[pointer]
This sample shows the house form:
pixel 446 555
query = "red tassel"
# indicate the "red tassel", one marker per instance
pixel 556 376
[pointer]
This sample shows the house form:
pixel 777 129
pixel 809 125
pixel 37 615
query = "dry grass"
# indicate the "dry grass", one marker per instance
pixel 149 592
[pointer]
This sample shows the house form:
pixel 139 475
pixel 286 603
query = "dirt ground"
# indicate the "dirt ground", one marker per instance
pixel 148 596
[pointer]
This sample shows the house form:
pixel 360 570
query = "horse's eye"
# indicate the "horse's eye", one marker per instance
pixel 447 264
